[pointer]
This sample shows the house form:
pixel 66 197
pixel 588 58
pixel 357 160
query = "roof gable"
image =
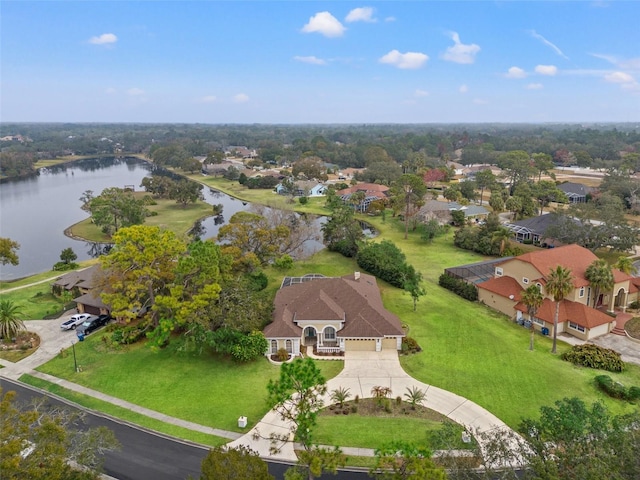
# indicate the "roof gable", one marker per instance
pixel 572 257
pixel 354 301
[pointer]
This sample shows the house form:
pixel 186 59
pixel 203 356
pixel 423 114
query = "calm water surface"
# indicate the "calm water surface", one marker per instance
pixel 35 211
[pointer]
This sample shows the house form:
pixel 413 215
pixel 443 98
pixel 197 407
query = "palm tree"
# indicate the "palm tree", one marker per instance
pixel 340 395
pixel 600 277
pixel 625 264
pixel 532 298
pixel 414 396
pixel 502 235
pixel 10 324
pixel 559 285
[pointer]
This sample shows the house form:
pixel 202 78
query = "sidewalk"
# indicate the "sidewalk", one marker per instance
pixel 362 371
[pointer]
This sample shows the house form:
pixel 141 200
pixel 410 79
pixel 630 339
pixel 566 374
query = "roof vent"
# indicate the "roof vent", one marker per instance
pixel 356 275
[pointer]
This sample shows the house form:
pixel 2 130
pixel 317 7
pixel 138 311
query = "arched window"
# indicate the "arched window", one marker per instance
pixel 329 333
pixel 288 346
pixel 274 346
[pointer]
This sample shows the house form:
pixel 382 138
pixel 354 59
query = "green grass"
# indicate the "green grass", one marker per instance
pixel 35 302
pixel 632 327
pixel 354 430
pixel 124 414
pixel 209 390
pixel 170 215
pixel 478 353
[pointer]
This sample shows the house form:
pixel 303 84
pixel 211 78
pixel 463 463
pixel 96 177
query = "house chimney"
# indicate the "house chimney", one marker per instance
pixel 357 275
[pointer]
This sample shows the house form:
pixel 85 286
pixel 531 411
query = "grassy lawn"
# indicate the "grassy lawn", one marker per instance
pixel 36 302
pixel 398 421
pixel 124 414
pixel 475 352
pixel 632 327
pixel 209 390
pixel 170 215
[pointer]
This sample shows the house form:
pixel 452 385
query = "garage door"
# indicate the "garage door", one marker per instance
pixel 91 310
pixel 360 345
pixel 389 344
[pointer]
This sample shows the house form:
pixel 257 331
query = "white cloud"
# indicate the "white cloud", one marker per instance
pixel 241 98
pixel 390 19
pixel 463 89
pixel 325 24
pixel 104 39
pixel 537 36
pixel 135 92
pixel 361 14
pixel 549 70
pixel 619 77
pixel 534 86
pixel 421 93
pixel 310 59
pixel 459 52
pixel 628 64
pixel 208 99
pixel 516 72
pixel 110 91
pixel 406 61
pixel 480 101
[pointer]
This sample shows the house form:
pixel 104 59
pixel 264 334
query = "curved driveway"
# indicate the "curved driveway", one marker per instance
pixel 363 371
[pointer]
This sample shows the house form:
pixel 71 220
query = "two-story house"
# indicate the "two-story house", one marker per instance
pixel 581 314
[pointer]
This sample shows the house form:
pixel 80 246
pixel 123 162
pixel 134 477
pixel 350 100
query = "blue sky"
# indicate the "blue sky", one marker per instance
pixel 320 62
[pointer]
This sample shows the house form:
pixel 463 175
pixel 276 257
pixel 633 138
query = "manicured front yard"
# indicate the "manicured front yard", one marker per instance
pixel 208 390
pixel 124 414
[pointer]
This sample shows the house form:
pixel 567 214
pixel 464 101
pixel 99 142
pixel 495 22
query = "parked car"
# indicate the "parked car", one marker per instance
pixel 75 321
pixel 92 324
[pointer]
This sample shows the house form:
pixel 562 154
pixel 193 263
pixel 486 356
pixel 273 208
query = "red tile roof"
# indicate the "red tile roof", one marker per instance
pixel 569 311
pixel 503 286
pixel 572 257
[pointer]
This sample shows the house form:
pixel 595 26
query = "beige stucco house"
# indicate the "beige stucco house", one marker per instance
pixel 581 314
pixel 332 315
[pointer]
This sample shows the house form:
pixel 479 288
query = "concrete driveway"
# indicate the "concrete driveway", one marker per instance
pixel 52 340
pixel 628 349
pixel 363 371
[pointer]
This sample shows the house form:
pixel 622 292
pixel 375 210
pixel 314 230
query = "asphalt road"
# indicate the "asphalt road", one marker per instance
pixel 146 455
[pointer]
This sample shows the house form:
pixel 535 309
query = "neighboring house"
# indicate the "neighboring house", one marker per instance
pixel 77 282
pixel 307 188
pixel 533 229
pixel 241 151
pixel 372 192
pixel 441 211
pixel 575 192
pixel 577 316
pixel 83 285
pixel 332 315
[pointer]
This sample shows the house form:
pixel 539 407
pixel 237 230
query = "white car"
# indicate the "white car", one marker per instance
pixel 75 321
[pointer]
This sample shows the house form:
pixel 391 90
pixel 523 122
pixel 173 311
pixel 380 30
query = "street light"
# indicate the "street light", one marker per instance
pixel 75 361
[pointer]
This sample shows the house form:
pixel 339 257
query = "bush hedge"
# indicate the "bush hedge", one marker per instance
pixel 594 356
pixel 616 389
pixel 459 287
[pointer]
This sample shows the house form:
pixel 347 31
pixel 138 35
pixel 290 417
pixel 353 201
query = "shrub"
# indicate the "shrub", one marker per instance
pixel 303 200
pixel 459 287
pixel 410 345
pixel 282 354
pixel 387 262
pixel 594 356
pixel 635 305
pixel 616 389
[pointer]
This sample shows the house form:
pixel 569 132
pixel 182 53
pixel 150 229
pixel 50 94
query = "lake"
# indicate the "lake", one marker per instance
pixel 35 211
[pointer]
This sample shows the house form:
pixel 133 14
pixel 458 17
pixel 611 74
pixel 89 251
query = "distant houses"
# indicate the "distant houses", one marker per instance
pixel 441 211
pixel 371 192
